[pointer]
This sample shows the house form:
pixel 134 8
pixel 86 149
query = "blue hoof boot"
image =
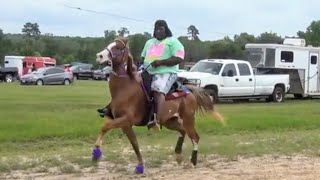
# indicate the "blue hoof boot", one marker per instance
pixel 96 154
pixel 139 169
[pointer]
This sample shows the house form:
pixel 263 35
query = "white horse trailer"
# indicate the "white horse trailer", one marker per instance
pixel 292 57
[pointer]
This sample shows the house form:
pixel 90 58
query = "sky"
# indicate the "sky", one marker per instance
pixel 214 19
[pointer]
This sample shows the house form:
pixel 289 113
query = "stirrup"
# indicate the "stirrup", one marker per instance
pixel 154 125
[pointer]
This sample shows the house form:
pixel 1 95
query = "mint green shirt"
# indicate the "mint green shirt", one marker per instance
pixel 161 50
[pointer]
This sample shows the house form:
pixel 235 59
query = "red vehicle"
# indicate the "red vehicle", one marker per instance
pixel 37 62
pixel 26 63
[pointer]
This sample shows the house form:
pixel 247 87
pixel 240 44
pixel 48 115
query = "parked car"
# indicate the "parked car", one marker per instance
pixel 235 79
pixel 102 74
pixel 82 71
pixel 8 74
pixel 47 75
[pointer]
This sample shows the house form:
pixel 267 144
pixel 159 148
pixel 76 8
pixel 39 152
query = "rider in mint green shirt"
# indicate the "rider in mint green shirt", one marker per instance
pixel 163 53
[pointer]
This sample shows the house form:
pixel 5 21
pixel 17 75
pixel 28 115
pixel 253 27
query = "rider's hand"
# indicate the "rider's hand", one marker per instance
pixel 156 63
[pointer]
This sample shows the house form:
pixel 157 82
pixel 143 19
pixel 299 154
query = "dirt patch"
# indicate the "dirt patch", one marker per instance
pixel 211 167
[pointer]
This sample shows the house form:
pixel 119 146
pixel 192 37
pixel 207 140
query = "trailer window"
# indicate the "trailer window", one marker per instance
pixel 24 64
pixel 314 59
pixel 287 56
pixel 244 69
pixel 270 57
pixel 254 56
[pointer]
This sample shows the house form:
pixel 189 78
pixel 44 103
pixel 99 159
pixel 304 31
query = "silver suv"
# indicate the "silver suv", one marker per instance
pixel 102 73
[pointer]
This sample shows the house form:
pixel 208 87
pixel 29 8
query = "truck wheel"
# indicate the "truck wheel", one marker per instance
pixel 213 94
pixel 8 78
pixel 278 95
pixel 39 82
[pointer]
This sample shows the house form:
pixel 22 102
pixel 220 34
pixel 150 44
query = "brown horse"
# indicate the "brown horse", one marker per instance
pixel 129 104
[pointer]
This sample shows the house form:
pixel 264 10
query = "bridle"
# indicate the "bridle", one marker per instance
pixel 122 52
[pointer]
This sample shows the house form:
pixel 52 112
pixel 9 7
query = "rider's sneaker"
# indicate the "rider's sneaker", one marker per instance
pixel 104 112
pixel 100 110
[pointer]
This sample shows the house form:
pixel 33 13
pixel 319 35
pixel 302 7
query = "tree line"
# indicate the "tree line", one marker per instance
pixel 65 49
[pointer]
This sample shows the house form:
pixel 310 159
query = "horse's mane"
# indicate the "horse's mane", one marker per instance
pixel 129 63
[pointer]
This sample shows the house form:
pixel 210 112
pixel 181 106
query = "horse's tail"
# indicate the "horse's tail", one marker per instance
pixel 205 103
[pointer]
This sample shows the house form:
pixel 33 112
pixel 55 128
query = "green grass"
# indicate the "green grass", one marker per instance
pixel 56 126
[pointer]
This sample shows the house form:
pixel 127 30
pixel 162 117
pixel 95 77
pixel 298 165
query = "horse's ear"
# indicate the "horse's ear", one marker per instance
pixel 122 40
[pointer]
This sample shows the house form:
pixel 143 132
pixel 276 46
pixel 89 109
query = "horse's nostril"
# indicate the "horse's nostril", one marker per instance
pixel 100 56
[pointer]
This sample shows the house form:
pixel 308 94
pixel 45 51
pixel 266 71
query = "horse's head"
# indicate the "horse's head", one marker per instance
pixel 117 55
pixel 114 52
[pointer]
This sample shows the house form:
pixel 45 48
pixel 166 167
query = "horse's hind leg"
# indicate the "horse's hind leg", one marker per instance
pixel 133 140
pixel 193 135
pixel 173 124
pixel 178 148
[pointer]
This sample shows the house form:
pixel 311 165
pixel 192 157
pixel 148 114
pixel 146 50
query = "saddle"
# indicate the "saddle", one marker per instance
pixel 176 91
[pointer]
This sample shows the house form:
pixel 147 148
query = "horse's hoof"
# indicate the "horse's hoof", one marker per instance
pixel 179 158
pixel 188 165
pixel 139 169
pixel 96 154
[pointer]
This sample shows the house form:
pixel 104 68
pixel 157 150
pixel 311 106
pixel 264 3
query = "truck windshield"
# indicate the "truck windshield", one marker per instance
pixel 254 56
pixel 207 67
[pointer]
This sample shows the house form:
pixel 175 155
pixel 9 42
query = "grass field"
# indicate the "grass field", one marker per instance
pixel 55 126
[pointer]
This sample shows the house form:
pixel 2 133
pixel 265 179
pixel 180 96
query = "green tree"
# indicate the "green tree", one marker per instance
pixel 225 50
pixel 269 37
pixel 109 36
pixel 123 31
pixel 136 44
pixel 193 32
pixel 243 39
pixel 3 46
pixel 1 34
pixel 31 30
pixel 51 47
pixel 301 34
pixel 194 50
pixel 312 34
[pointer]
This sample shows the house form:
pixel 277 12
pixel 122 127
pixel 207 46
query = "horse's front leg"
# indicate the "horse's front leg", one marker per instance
pixel 133 140
pixel 108 125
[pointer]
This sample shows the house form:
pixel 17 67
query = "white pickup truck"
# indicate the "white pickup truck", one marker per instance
pixel 235 79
